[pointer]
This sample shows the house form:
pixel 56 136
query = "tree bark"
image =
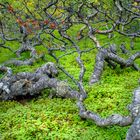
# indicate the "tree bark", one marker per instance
pixel 112 58
pixel 27 83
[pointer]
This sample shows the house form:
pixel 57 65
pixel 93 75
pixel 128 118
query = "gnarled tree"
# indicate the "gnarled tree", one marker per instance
pixel 48 27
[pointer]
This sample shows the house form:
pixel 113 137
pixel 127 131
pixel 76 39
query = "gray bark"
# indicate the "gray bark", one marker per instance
pixel 116 119
pixel 29 61
pixel 27 83
pixel 134 131
pixel 112 58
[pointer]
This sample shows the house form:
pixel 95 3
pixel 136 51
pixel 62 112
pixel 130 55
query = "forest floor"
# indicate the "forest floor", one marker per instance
pixel 42 118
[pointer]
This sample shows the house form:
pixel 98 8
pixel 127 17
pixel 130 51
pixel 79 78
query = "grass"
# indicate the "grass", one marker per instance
pixel 53 119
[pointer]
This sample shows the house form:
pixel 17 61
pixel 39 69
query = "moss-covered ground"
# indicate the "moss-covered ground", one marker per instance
pixel 45 119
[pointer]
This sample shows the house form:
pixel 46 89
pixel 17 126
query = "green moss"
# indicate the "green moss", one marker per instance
pixel 45 119
pixel 50 119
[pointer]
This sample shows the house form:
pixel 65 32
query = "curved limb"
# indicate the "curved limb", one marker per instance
pixel 24 62
pixel 98 69
pixel 117 119
pixel 25 48
pixel 26 83
pixel 114 119
pixel 105 55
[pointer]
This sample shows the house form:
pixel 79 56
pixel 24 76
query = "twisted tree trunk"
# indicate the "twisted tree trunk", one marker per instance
pixel 108 55
pixel 27 83
pixel 116 119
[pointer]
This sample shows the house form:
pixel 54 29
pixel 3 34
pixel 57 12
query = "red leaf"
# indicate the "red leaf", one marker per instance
pixel 52 25
pixel 46 21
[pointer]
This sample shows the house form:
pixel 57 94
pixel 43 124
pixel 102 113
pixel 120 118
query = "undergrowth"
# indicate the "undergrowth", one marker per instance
pixel 43 119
